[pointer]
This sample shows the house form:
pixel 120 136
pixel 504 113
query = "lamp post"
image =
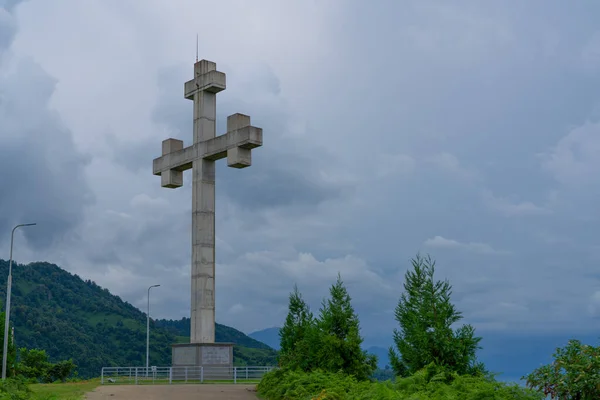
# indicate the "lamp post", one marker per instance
pixel 8 290
pixel 148 330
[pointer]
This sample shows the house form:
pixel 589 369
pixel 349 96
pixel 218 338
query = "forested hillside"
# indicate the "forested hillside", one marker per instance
pixel 68 317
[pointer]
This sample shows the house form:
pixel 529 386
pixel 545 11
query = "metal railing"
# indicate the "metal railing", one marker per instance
pixel 170 375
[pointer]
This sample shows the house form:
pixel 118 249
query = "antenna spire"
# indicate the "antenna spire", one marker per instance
pixel 196 47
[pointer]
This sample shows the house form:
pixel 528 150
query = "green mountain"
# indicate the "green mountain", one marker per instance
pixel 68 317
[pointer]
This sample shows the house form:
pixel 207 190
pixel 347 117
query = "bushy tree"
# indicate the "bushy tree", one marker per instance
pixel 61 370
pixel 330 342
pixel 426 315
pixel 34 365
pixel 340 340
pixel 574 373
pixel 297 335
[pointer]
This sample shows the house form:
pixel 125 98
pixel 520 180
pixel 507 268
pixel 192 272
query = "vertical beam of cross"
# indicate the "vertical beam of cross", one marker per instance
pixel 203 216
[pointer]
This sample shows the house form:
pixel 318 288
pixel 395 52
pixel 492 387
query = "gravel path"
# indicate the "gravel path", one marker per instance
pixel 174 392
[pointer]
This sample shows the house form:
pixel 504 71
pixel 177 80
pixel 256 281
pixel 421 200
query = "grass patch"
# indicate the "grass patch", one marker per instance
pixel 63 391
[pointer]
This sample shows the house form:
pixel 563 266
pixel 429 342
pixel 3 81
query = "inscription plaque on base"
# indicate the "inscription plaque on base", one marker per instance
pixel 202 354
pixel 184 356
pixel 215 355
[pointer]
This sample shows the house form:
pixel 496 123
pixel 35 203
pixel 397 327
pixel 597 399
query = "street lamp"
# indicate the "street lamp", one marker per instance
pixel 148 329
pixel 8 290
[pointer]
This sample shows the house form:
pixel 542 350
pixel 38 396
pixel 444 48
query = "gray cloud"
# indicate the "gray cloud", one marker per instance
pixel 7 28
pixel 43 176
pixel 513 207
pixel 476 247
pixel 9 5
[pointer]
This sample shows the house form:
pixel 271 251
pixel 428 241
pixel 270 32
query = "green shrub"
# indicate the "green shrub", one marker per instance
pixel 35 367
pixel 287 384
pixel 15 389
pixel 331 342
pixel 574 373
pixel 431 383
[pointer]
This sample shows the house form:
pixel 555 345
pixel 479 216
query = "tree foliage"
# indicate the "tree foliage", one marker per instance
pixel 339 333
pixel 574 373
pixel 34 365
pixel 298 334
pixel 331 342
pixel 426 315
pixel 433 382
pixel 15 389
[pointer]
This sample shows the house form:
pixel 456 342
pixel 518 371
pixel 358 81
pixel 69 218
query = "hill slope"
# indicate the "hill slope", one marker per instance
pixel 68 317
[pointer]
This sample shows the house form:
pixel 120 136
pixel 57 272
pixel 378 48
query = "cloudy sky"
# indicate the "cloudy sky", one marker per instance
pixel 469 131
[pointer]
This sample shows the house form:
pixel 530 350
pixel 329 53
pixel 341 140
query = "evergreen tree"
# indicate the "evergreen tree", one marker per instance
pixel 297 335
pixel 426 315
pixel 339 339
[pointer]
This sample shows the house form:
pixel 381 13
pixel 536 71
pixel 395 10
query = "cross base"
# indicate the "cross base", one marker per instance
pixel 216 357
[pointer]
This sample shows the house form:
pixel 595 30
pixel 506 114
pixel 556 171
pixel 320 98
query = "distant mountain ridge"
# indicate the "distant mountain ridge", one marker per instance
pixel 69 317
pixel 383 359
pixel 269 336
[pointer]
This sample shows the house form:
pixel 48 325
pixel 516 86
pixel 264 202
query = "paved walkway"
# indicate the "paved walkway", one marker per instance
pixel 174 392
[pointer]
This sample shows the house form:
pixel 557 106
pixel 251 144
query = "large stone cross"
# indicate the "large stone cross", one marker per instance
pixel 236 145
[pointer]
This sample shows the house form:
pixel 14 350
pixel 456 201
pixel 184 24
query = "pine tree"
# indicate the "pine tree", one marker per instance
pixel 426 315
pixel 297 334
pixel 339 338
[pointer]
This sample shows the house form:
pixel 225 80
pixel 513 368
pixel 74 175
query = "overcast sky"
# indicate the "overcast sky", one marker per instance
pixel 469 131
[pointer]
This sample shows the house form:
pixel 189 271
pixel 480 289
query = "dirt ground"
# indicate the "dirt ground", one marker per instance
pixel 174 392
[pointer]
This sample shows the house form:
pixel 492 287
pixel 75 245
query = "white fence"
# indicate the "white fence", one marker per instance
pixel 169 375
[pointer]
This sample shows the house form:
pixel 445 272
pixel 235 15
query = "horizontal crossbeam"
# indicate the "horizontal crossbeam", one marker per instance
pixel 212 81
pixel 180 160
pixel 248 138
pixel 214 149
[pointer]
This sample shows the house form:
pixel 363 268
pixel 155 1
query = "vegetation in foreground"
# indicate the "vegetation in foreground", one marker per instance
pixel 331 342
pixel 321 358
pixel 14 389
pixel 431 383
pixel 574 373
pixel 33 365
pixel 425 316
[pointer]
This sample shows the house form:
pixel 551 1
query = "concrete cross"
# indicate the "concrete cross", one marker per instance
pixel 236 145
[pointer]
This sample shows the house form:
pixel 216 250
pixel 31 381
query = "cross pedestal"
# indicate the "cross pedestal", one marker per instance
pixel 216 356
pixel 200 156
